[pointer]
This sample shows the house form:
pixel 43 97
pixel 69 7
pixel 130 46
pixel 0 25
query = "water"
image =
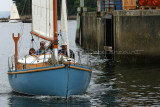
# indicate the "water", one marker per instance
pixel 111 84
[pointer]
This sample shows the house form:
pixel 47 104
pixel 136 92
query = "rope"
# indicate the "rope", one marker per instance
pixel 31 44
pixel 22 28
pixel 60 11
pixel 62 40
pixel 23 7
pixel 49 19
pixel 46 17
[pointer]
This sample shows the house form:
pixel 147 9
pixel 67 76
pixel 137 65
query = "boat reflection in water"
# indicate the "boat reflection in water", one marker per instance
pixel 44 101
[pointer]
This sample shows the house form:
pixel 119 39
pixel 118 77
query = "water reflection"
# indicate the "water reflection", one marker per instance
pixel 103 91
pixel 138 84
pixel 127 85
pixel 46 101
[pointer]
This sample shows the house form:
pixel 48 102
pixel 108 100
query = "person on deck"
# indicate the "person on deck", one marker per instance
pixel 31 51
pixel 41 50
pixel 63 51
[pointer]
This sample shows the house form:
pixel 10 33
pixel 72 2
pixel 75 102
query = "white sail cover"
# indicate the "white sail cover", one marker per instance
pixel 14 12
pixel 64 25
pixel 42 18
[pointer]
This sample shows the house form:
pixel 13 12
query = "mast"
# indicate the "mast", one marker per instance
pixel 55 47
pixel 55 24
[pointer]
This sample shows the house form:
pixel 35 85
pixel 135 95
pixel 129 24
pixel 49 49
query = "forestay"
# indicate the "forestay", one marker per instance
pixel 42 18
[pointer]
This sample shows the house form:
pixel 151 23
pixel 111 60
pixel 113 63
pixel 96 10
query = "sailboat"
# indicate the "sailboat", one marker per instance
pixel 14 15
pixel 46 74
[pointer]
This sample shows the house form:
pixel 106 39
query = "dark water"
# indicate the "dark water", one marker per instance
pixel 111 84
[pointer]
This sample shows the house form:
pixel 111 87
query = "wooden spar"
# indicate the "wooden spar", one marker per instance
pixel 54 38
pixel 16 45
pixel 55 24
pixel 40 36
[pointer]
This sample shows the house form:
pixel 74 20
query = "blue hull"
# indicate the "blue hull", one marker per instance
pixel 57 82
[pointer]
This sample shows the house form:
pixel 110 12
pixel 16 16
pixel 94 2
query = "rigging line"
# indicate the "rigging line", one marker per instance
pixel 49 18
pixel 62 39
pixel 67 10
pixel 46 18
pixel 60 11
pixel 60 21
pixel 30 12
pixel 36 44
pixel 36 59
pixel 31 44
pixel 22 24
pixel 22 27
pixel 39 14
pixel 23 7
pixel 21 35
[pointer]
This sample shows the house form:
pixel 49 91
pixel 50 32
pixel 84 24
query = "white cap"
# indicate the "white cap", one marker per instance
pixel 64 43
pixel 47 44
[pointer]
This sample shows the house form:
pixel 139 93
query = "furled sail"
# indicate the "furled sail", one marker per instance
pixel 64 25
pixel 42 19
pixel 14 12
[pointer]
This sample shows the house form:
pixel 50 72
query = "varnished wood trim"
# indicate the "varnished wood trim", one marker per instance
pixel 16 46
pixel 38 70
pixel 55 28
pixel 40 36
pixel 80 68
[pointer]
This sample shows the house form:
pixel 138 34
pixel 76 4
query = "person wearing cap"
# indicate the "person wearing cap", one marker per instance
pixel 64 51
pixel 41 50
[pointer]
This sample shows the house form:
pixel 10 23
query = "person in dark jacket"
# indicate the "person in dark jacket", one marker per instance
pixel 41 50
pixel 64 51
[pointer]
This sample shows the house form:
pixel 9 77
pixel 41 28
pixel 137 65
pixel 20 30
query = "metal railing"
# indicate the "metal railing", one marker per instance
pixel 11 63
